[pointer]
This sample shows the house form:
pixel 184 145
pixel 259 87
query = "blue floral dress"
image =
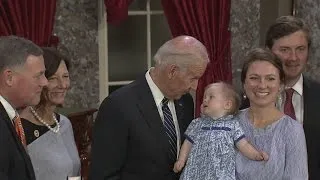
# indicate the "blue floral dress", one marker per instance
pixel 212 156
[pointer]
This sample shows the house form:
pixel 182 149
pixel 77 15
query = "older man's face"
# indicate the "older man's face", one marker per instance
pixel 186 80
pixel 28 82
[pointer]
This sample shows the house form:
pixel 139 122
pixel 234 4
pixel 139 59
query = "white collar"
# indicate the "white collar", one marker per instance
pixel 9 109
pixel 157 94
pixel 298 87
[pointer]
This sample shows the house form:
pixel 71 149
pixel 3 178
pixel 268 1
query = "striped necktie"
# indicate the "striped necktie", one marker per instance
pixel 170 128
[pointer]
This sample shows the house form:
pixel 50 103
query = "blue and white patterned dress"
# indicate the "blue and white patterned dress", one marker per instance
pixel 212 156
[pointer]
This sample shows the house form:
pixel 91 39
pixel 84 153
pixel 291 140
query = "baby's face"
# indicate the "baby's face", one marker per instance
pixel 214 102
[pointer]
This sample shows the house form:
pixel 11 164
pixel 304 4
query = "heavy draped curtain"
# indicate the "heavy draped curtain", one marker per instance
pixel 208 21
pixel 31 19
pixel 117 10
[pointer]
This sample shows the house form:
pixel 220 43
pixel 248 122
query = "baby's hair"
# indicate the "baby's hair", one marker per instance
pixel 231 94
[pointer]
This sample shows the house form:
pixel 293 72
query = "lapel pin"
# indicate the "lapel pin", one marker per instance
pixel 36 133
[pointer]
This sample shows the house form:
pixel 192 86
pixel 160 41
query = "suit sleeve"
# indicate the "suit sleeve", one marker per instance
pixel 4 160
pixel 3 176
pixel 109 142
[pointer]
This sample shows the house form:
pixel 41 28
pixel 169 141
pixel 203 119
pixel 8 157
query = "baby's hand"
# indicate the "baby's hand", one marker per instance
pixel 265 156
pixel 262 156
pixel 178 166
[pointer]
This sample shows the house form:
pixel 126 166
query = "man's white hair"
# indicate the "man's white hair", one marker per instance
pixel 181 51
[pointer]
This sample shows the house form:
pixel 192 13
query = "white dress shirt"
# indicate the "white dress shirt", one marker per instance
pixel 9 109
pixel 297 99
pixel 158 97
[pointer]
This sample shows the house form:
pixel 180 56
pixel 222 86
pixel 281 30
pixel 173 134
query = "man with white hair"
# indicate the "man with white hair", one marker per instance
pixel 139 128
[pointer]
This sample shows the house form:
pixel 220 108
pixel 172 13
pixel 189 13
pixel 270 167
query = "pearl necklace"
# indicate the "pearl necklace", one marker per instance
pixel 55 129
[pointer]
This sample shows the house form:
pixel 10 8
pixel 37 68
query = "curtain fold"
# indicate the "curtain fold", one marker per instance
pixel 117 10
pixel 208 21
pixel 31 19
pixel 5 27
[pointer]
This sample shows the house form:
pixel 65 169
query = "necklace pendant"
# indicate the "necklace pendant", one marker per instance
pixel 55 129
pixel 36 133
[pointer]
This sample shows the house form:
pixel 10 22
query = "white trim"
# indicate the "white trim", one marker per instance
pixel 117 83
pixel 103 51
pixel 104 83
pixel 148 36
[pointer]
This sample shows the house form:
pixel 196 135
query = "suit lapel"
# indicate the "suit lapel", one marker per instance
pixel 179 111
pixel 306 98
pixel 149 110
pixel 3 113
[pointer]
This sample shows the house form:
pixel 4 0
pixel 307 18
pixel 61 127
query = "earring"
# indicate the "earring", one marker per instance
pixel 279 97
pixel 244 96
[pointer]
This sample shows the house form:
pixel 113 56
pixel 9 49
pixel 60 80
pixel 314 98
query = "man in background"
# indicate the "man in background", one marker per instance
pixel 21 82
pixel 289 38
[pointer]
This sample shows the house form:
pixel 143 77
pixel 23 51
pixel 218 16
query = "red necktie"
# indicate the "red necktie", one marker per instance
pixel 19 130
pixel 288 106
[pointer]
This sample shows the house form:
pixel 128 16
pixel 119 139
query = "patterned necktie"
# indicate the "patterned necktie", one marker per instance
pixel 19 130
pixel 170 128
pixel 288 106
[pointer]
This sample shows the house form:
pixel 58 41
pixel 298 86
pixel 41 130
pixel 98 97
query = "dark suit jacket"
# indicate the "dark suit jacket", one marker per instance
pixel 15 163
pixel 311 124
pixel 129 140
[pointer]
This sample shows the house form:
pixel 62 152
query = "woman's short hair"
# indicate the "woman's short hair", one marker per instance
pixel 52 60
pixel 262 54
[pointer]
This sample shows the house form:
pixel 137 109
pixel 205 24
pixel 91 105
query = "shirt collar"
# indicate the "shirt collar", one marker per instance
pixel 9 109
pixel 298 87
pixel 157 94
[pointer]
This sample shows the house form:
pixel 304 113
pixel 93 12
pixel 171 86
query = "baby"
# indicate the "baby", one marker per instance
pixel 209 149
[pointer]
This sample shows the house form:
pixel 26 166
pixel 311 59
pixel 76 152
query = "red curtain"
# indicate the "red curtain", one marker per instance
pixel 208 21
pixel 31 19
pixel 117 10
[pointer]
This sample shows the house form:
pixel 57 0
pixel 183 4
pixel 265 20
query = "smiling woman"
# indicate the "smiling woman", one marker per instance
pixel 266 126
pixel 49 135
pixel 262 77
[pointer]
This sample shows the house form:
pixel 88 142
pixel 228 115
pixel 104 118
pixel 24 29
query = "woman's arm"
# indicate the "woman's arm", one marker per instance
pixel 296 166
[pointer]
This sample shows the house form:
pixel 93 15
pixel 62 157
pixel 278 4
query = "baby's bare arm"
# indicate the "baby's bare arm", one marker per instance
pixel 250 152
pixel 183 156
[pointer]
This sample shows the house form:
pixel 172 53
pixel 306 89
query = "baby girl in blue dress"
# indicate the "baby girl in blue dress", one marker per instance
pixel 208 153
